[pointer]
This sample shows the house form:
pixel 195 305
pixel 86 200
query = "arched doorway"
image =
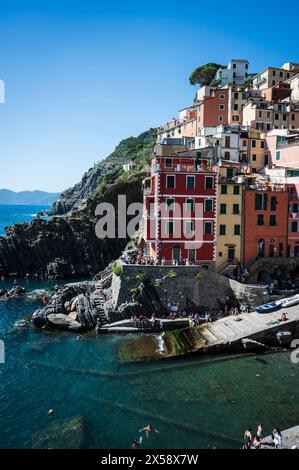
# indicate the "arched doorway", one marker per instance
pixel 261 248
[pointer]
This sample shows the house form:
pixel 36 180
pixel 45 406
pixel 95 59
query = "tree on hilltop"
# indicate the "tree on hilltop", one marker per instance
pixel 204 74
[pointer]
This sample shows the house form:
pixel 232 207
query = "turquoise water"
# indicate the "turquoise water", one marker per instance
pixel 10 214
pixel 196 402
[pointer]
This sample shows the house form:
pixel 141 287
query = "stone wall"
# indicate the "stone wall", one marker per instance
pixel 186 286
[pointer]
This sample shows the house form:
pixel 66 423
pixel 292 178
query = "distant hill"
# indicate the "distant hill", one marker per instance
pixel 27 197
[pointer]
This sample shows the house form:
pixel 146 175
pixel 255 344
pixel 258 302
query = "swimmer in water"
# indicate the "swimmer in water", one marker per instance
pixel 149 429
pixel 136 444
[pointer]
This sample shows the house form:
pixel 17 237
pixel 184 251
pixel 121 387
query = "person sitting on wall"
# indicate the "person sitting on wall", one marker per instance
pixel 283 317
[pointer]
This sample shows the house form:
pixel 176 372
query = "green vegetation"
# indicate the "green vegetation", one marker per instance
pixel 140 276
pixel 105 180
pixel 172 274
pixel 117 269
pixel 135 148
pixel 205 74
pixel 134 291
pixel 197 276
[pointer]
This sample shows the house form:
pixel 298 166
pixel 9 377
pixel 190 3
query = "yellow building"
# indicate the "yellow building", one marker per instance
pixel 252 149
pixel 229 218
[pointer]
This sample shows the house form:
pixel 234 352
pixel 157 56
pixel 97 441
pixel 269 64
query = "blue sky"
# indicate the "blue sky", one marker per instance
pixel 82 75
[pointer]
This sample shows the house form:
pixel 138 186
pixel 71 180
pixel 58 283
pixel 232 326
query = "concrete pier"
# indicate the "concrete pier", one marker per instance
pixel 252 331
pixel 290 439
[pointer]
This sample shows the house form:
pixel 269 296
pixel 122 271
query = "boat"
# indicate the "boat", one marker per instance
pixel 289 301
pixel 269 307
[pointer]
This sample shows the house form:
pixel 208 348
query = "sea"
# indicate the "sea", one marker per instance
pixel 100 400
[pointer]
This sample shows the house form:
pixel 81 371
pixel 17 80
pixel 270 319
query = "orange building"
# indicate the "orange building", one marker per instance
pixel 212 110
pixel 265 222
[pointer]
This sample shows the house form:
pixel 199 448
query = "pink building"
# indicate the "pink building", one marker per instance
pixel 283 149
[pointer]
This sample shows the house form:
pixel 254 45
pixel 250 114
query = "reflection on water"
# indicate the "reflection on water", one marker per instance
pixel 101 400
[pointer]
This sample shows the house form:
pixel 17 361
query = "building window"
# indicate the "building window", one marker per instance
pixel 170 204
pixel 169 227
pixel 236 209
pixel 190 205
pixel 208 182
pixel 220 254
pixel 222 97
pixel 222 208
pixel 244 96
pixel 220 118
pixel 236 190
pixel 260 219
pixel 244 144
pixel 273 203
pixel 230 172
pixel 254 157
pixel 208 227
pixel 192 254
pixel 268 114
pixel 221 107
pixel 208 205
pixel 236 107
pixel 236 96
pixel 295 208
pixel 293 117
pixel 253 143
pixel 273 220
pixel 189 227
pixel 276 116
pixel 237 230
pixel 278 155
pixel 168 162
pixel 190 182
pixel 227 141
pixel 262 144
pixel 170 181
pixel 294 227
pixel 223 189
pixel 261 202
pixel 284 117
pixel 222 229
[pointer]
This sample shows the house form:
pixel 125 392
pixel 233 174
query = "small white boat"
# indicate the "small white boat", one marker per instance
pixel 294 300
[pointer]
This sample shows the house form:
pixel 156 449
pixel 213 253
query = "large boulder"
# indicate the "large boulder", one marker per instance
pixel 16 291
pixel 39 318
pixel 63 322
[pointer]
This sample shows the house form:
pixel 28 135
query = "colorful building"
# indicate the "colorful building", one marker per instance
pixel 212 111
pixel 265 222
pixel 180 208
pixel 229 217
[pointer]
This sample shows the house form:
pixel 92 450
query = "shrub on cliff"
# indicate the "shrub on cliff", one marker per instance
pixel 117 269
pixel 204 74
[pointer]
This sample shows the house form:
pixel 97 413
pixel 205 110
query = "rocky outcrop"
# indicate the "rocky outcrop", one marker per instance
pixel 68 434
pixel 63 322
pixel 66 247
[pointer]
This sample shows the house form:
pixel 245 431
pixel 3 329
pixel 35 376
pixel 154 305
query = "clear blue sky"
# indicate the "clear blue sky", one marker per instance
pixel 81 75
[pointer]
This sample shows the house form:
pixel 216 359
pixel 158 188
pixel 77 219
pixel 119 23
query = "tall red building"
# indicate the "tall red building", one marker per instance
pixel 265 221
pixel 180 208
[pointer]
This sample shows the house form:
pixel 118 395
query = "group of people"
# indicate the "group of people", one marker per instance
pixel 143 322
pixel 252 441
